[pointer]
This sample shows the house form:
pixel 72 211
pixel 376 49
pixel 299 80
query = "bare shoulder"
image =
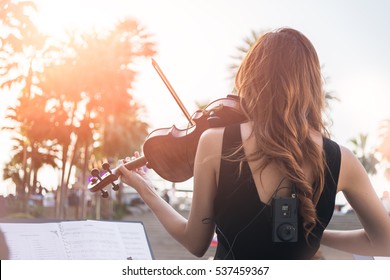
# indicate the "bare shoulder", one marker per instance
pixel 214 131
pixel 210 146
pixel 346 155
pixel 208 157
pixel 352 171
pixel 212 136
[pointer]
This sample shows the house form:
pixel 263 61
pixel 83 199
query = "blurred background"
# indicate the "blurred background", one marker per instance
pixel 78 88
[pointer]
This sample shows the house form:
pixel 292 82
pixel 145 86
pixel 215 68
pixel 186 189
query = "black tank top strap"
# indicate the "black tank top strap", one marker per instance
pixel 333 159
pixel 231 139
pixel 228 168
pixel 326 204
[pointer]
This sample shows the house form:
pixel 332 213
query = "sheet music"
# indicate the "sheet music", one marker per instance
pixel 92 240
pixel 34 241
pixel 135 240
pixel 77 240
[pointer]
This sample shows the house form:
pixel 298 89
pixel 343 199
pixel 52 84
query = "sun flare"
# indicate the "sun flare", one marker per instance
pixel 54 17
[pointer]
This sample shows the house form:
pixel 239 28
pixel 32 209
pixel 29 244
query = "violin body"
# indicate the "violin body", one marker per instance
pixel 171 151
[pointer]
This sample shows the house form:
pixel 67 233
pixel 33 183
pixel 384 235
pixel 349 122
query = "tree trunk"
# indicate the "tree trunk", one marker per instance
pixel 62 192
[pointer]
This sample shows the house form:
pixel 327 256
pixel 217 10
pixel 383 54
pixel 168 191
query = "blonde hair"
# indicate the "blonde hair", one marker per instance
pixel 280 86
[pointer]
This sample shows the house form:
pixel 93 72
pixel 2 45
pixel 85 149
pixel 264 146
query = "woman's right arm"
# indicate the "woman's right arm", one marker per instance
pixel 196 232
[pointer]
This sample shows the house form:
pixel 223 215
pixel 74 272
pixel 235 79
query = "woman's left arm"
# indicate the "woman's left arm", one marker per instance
pixel 374 238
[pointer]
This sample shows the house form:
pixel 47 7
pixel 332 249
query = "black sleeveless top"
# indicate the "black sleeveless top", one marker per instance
pixel 244 222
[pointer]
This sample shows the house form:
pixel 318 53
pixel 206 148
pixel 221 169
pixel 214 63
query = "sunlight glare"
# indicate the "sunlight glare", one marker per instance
pixel 55 17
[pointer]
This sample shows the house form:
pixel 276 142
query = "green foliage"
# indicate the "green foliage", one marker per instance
pixel 75 104
pixel 366 157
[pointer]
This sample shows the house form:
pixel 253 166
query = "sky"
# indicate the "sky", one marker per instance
pixel 196 40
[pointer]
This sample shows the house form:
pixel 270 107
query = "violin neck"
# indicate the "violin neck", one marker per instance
pixel 134 164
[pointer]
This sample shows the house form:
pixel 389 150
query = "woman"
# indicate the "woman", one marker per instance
pixel 283 151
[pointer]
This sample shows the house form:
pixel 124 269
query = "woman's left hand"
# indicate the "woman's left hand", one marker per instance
pixel 135 178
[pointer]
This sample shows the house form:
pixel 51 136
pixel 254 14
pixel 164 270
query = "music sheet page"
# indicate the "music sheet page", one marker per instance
pixel 34 241
pixel 92 240
pixel 135 240
pixel 77 240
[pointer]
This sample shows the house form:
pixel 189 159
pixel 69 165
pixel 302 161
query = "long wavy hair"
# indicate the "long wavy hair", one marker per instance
pixel 281 90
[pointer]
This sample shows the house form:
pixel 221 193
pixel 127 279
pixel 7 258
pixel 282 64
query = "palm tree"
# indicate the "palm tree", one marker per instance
pixel 33 147
pixel 249 41
pixel 21 46
pixel 81 92
pixel 17 29
pixel 97 114
pixel 366 157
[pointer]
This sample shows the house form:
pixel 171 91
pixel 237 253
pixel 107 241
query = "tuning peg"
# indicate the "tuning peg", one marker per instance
pixel 96 173
pixel 94 180
pixel 115 186
pixel 106 166
pixel 104 193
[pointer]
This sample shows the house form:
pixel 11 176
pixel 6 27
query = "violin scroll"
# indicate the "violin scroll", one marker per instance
pixel 98 182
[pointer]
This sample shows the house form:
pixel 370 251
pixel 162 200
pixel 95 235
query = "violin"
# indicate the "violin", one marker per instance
pixel 170 152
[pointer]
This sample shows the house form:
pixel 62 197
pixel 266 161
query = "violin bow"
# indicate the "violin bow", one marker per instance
pixel 172 91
